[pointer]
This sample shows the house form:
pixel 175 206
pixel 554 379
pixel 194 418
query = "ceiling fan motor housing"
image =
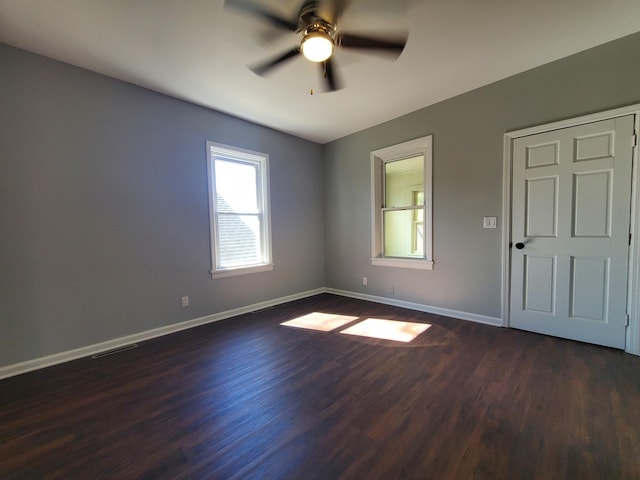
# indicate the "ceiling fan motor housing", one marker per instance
pixel 309 14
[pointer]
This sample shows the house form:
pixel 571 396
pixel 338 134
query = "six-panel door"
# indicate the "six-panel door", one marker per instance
pixel 570 216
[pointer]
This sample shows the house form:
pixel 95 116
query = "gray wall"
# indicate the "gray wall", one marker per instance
pixel 468 147
pixel 103 198
pixel 104 213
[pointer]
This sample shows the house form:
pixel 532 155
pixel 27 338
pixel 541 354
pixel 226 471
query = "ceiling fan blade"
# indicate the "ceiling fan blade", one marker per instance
pixel 271 17
pixel 390 44
pixel 263 68
pixel 330 76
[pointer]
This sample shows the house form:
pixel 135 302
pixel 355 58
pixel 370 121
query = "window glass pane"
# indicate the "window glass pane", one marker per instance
pixel 236 187
pixel 401 179
pixel 417 236
pixel 404 233
pixel 239 240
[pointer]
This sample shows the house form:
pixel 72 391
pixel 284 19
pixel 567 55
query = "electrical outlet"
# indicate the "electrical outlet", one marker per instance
pixel 365 281
pixel 185 301
pixel 391 289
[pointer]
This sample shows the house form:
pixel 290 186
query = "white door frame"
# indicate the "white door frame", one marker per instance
pixel 632 342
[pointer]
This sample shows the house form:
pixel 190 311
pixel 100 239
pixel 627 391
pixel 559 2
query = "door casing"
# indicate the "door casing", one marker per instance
pixel 632 341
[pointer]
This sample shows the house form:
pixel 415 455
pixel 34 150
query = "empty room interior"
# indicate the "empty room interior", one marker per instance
pixel 319 239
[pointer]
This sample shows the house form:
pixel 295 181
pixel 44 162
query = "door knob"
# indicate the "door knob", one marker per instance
pixel 519 245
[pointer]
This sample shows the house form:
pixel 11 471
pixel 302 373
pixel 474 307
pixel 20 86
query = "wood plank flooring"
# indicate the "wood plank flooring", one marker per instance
pixel 247 398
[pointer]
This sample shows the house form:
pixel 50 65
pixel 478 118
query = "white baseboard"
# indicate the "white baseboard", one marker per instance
pixel 42 362
pixel 445 312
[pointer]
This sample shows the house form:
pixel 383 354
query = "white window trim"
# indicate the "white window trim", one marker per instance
pixel 424 146
pixel 217 150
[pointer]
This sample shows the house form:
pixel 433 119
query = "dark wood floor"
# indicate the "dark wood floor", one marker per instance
pixel 247 398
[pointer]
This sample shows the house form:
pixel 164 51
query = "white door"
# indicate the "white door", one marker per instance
pixel 571 197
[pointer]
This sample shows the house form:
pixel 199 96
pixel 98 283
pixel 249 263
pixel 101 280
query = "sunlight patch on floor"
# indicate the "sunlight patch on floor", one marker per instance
pixel 320 321
pixel 387 329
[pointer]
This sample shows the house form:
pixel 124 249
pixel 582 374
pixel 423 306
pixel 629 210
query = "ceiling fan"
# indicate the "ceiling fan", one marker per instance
pixel 317 24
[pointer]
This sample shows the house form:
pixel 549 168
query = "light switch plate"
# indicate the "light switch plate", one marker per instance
pixel 490 222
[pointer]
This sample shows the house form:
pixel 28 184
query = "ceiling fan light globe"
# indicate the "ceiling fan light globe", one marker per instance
pixel 317 46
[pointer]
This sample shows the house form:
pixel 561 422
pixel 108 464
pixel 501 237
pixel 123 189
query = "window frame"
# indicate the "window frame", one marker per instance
pixel 239 155
pixel 415 222
pixel 419 146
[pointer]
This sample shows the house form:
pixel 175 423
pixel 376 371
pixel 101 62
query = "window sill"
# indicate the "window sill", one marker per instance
pixel 402 263
pixel 231 272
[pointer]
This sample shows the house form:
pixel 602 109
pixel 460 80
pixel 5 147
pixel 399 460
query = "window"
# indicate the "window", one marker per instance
pixel 401 205
pixel 239 210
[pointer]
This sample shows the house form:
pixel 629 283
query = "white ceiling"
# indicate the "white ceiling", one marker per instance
pixel 198 51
